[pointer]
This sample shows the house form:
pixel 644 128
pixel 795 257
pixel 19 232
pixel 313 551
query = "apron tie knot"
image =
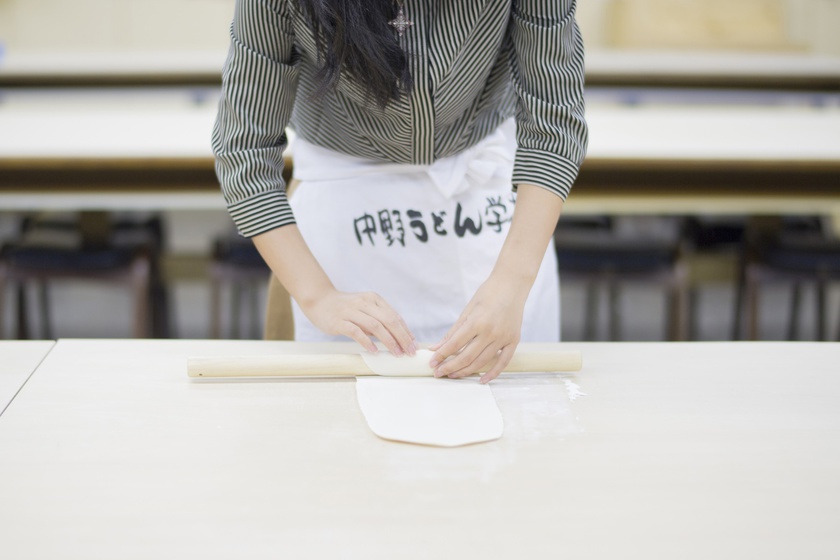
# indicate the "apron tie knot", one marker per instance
pixel 476 166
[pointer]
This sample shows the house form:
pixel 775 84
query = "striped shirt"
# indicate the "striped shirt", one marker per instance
pixel 475 63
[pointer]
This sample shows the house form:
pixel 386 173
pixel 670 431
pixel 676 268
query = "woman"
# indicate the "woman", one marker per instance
pixel 414 119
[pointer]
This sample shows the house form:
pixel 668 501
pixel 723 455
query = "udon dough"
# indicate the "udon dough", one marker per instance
pixel 385 363
pixel 430 411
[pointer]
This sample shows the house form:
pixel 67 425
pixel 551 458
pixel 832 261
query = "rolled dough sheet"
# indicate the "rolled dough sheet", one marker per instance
pixel 385 363
pixel 430 411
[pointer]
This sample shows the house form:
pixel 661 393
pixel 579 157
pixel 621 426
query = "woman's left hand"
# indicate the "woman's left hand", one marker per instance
pixel 487 332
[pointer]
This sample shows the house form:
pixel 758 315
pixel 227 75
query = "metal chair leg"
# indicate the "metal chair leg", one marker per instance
pixel 795 304
pixel 693 305
pixel 614 305
pixel 751 303
pixel 235 305
pixel 215 309
pixel 22 318
pixel 2 300
pixel 821 305
pixel 159 306
pixel 44 309
pixel 838 327
pixel 740 296
pixel 679 315
pixel 255 312
pixel 590 321
pixel 140 281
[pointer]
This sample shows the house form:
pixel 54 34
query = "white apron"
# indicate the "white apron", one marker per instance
pixel 424 237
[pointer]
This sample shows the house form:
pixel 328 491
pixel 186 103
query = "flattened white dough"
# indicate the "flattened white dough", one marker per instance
pixel 430 411
pixel 385 363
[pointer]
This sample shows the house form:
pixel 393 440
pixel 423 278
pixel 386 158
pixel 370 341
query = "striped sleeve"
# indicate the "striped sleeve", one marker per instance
pixel 258 88
pixel 547 73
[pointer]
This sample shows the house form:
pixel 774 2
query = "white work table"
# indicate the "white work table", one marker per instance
pixel 18 359
pixel 695 450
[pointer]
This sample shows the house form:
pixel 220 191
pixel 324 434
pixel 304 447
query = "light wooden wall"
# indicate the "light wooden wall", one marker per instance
pixel 723 24
pixel 769 25
pixel 200 25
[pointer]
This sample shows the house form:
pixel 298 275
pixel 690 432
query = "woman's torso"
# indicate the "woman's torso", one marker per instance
pixel 458 52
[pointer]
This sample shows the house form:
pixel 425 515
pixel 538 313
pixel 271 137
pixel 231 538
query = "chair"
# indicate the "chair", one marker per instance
pixel 93 248
pixel 236 263
pixel 798 258
pixel 714 253
pixel 591 251
pixel 3 275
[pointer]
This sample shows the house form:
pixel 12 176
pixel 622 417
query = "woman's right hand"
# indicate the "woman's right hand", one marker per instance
pixel 361 316
pixel 357 315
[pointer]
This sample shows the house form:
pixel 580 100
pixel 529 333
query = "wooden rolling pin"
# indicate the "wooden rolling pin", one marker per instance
pixel 346 365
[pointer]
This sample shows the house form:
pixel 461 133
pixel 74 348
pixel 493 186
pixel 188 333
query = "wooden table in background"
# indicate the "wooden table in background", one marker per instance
pixel 711 160
pixel 604 67
pixel 150 149
pixel 712 69
pixel 700 450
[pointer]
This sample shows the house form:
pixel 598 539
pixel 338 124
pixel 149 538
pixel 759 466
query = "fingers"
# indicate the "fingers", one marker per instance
pixel 462 353
pixel 353 331
pixel 451 344
pixel 362 316
pixel 489 355
pixel 471 346
pixel 469 361
pixel 389 327
pixel 502 360
pixel 375 327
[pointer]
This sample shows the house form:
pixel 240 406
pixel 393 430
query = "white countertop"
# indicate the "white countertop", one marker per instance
pixel 696 450
pixel 18 359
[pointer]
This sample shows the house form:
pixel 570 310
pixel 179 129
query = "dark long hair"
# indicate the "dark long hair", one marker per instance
pixel 353 36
